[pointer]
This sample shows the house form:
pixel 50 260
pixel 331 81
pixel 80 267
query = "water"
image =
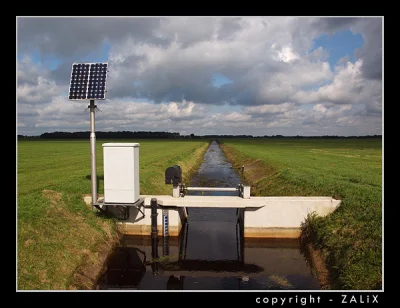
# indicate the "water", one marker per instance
pixel 210 253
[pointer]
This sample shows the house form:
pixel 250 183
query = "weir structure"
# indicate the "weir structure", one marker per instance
pixel 165 215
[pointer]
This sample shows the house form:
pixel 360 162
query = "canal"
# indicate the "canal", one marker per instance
pixel 210 253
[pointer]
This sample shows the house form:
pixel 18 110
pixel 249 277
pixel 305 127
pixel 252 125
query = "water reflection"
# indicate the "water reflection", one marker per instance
pixel 125 268
pixel 265 264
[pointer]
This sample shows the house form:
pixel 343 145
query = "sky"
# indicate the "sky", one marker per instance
pixel 258 75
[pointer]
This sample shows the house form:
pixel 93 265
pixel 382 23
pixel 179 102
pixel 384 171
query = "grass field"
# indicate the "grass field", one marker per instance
pixel 346 169
pixel 57 234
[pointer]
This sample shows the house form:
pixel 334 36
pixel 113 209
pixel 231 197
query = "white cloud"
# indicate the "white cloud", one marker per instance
pixel 33 83
pixel 348 86
pixel 183 110
pixel 235 117
pixel 285 54
pixel 39 93
pixel 269 109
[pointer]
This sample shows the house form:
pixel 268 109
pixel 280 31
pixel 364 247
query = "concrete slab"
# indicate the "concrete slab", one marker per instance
pixel 237 202
pixel 202 201
pixel 232 201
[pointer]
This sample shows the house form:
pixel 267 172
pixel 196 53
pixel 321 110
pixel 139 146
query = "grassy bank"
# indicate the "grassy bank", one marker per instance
pixel 61 242
pixel 350 239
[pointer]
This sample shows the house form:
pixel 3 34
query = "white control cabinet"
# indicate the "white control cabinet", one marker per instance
pixel 121 172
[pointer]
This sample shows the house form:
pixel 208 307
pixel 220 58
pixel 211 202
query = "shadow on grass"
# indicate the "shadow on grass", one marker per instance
pixel 98 179
pixel 103 213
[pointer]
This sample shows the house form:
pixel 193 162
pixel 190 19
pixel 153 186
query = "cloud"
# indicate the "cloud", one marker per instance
pixel 371 51
pixel 347 86
pixel 180 111
pixel 33 84
pixel 331 25
pixel 162 73
pixel 171 73
pixel 66 37
pixel 269 109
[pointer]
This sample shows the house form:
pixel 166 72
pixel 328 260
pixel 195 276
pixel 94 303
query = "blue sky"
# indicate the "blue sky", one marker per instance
pixel 206 75
pixel 339 45
pixel 220 80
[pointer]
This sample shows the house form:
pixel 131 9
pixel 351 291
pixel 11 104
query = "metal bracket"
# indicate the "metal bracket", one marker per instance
pixel 141 212
pixel 95 108
pixel 138 204
pixel 182 190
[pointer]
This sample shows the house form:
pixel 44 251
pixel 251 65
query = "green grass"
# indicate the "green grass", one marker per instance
pixel 56 231
pixel 346 169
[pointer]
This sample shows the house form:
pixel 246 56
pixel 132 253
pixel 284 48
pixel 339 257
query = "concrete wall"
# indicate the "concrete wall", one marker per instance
pixel 282 217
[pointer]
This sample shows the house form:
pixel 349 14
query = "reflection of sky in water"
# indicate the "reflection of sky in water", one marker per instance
pixel 212 238
pixel 215 171
pixel 216 240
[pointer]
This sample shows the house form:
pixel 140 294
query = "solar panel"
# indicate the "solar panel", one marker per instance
pixel 88 81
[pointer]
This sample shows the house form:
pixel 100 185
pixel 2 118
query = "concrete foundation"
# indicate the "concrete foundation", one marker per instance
pixel 129 228
pixel 251 232
pixel 139 221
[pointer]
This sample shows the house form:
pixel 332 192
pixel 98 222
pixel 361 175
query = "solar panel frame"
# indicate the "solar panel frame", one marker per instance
pixel 84 84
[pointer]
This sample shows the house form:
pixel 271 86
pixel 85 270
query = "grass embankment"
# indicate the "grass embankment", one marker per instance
pixel 62 244
pixel 350 239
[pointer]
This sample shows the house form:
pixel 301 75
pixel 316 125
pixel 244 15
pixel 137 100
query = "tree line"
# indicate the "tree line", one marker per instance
pixel 167 135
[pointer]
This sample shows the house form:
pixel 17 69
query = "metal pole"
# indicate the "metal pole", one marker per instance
pixel 92 107
pixel 154 236
pixel 212 188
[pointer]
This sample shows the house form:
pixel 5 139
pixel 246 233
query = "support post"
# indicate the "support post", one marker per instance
pixel 246 192
pixel 92 108
pixel 154 236
pixel 240 234
pixel 154 230
pixel 242 215
pixel 175 191
pixel 185 213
